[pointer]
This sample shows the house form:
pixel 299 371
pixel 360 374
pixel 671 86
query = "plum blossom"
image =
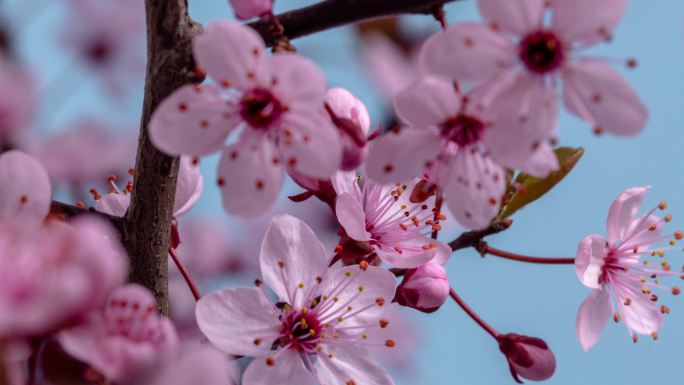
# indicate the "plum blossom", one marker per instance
pixel 523 60
pixel 247 9
pixel 126 338
pixel 382 220
pixel 316 331
pixel 451 142
pixel 272 104
pixel 17 100
pixel 621 279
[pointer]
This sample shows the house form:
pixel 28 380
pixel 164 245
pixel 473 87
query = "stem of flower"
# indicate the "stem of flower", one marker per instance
pixel 484 248
pixel 484 325
pixel 186 275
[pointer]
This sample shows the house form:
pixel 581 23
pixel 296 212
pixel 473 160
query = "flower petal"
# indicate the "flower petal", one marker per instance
pixel 407 251
pixel 600 96
pixel 235 319
pixel 250 176
pixel 586 21
pixel 623 211
pixel 192 122
pixel 516 17
pixel 429 102
pixel 297 81
pixel 349 364
pixel 188 187
pixel 288 368
pixel 401 156
pixel 351 216
pixel 228 52
pixel 542 162
pixel 589 260
pixel 592 317
pixel 114 204
pixel 346 105
pixel 345 182
pixel 206 366
pixel 642 316
pixel 468 51
pixel 291 255
pixel 25 188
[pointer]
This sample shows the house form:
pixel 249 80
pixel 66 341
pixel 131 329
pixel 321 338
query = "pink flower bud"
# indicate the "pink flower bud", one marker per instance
pixel 528 357
pixel 424 288
pixel 353 122
pixel 247 9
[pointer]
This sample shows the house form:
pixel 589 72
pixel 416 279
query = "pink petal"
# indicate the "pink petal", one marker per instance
pixel 475 188
pixel 228 52
pixel 114 204
pixel 297 81
pixel 516 17
pixel 542 162
pixel 205 366
pixel 589 260
pixel 25 191
pixel 346 105
pixel 442 254
pixel 192 122
pixel 376 282
pixel 389 66
pixel 592 317
pixel 250 176
pixel 247 9
pixel 400 156
pixel 292 244
pixel 232 319
pixel 642 316
pixel 351 216
pixel 586 21
pixel 189 185
pixel 412 252
pixel 600 96
pixel 468 51
pixel 623 211
pixel 429 102
pixel 349 364
pixel 345 182
pixel 289 369
pixel 310 143
pixel 642 226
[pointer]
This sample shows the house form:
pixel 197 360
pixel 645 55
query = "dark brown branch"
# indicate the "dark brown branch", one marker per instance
pixel 473 238
pixel 334 13
pixel 66 211
pixel 147 224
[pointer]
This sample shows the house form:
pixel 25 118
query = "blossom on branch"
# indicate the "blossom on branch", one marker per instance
pixel 247 9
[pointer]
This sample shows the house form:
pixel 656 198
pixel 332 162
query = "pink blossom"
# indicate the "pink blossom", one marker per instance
pixel 403 358
pixel 622 280
pixel 351 117
pixel 449 142
pixel 385 221
pixel 25 190
pixel 424 288
pixel 247 9
pixel 274 102
pixel 388 65
pixel 17 99
pixel 208 250
pixel 528 357
pixel 523 60
pixel 201 366
pixel 315 332
pixel 126 338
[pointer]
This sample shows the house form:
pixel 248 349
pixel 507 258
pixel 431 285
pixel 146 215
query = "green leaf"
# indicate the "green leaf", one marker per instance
pixel 527 189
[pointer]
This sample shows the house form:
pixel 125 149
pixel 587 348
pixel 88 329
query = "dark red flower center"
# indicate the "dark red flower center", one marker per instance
pixel 300 331
pixel 542 52
pixel 463 129
pixel 99 51
pixel 260 108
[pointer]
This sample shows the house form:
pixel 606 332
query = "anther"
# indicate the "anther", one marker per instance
pixel 389 343
pixel 678 235
pixel 676 290
pixel 662 205
pixel 616 317
pixel 654 335
pixel 384 323
pixel 270 361
pixel 652 227
pixel 664 309
pixel 380 301
pixel 281 264
pixel 628 301
pixel 635 338
pixel 363 265
pixel 668 218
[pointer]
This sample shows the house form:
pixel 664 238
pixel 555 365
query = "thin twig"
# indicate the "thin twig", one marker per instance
pixel 484 249
pixel 472 314
pixel 472 238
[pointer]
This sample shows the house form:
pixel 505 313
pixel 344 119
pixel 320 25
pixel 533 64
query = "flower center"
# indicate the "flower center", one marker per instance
pixel 542 52
pixel 260 108
pixel 98 51
pixel 301 330
pixel 463 130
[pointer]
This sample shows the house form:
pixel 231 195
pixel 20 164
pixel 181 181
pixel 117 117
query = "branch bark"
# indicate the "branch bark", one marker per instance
pixel 334 13
pixel 473 238
pixel 147 224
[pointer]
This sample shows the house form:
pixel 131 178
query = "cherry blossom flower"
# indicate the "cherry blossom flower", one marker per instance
pixel 386 223
pixel 621 278
pixel 449 142
pixel 424 288
pixel 315 332
pixel 274 102
pixel 205 366
pixel 17 100
pixel 247 9
pixel 523 60
pixel 126 338
pixel 108 38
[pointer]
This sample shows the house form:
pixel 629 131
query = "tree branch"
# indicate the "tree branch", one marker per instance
pixel 334 13
pixel 147 223
pixel 473 238
pixel 65 211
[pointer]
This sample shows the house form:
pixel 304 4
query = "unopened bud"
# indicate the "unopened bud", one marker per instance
pixel 528 357
pixel 247 9
pixel 424 288
pixel 351 118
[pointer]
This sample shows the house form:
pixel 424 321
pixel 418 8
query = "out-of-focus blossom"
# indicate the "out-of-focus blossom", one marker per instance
pixel 424 288
pixel 13 355
pixel 271 103
pixel 351 118
pixel 621 278
pixel 383 221
pixel 87 153
pixel 523 60
pixel 25 190
pixel 528 357
pixel 208 249
pixel 201 366
pixel 108 37
pixel 125 339
pixel 388 65
pixel 247 9
pixel 17 100
pixel 315 332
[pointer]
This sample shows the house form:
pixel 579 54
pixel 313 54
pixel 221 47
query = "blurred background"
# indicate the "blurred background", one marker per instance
pixel 76 79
